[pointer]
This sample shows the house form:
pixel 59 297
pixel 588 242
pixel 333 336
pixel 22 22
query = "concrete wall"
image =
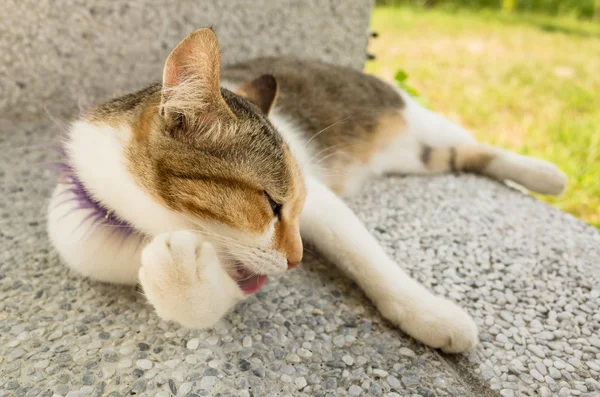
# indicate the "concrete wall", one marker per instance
pixel 58 55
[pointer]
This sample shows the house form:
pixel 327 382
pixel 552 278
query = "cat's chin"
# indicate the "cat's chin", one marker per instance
pixel 247 280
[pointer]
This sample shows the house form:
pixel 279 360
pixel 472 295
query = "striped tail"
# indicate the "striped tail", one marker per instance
pixel 536 175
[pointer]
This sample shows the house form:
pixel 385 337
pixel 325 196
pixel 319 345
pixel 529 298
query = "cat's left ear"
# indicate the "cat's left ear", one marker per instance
pixel 261 91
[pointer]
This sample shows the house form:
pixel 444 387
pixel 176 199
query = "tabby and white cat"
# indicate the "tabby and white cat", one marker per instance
pixel 200 187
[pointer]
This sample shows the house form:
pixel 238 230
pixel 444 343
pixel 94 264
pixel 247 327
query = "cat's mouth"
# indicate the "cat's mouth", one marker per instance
pixel 248 281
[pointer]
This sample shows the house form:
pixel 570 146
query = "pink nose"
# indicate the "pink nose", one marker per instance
pixel 292 265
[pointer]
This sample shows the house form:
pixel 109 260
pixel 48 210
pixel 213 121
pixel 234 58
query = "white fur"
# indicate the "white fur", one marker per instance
pixel 97 153
pixel 184 280
pixel 96 251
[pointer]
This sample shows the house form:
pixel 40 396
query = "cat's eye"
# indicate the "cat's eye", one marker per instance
pixel 276 207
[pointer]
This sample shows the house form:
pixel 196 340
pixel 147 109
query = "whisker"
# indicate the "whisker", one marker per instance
pixel 325 129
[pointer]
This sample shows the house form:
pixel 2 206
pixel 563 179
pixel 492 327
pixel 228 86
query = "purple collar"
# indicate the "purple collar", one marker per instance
pixel 99 214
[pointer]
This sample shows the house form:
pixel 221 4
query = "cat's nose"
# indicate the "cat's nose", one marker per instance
pixel 292 264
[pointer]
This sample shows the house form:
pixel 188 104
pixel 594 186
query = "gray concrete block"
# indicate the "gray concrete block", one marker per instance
pixel 58 57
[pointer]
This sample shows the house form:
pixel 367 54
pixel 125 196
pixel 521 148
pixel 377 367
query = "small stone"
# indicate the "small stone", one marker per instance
pixel 405 351
pixel 244 365
pixel 144 364
pixel 172 363
pixel 554 373
pixel 300 382
pixel 517 366
pixel 293 358
pixel 208 382
pixel 304 353
pixel 247 342
pixel 339 341
pixel 139 386
pixel 17 353
pixel 125 363
pixel 507 316
pixel 411 379
pixel 355 390
pixel 143 346
pixel 380 372
pixel 535 349
pixel 126 350
pixel 545 392
pixel 185 388
pixel 564 392
pixel 536 374
pixel 98 389
pixel 193 343
pixel 41 364
pixel 541 368
pixel 507 393
pixel 593 365
pixel 330 383
pixel 172 386
pixel 393 381
pixel 348 360
pixel 286 378
pixel 137 373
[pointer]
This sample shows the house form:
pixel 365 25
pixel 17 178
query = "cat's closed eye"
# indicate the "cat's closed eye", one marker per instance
pixel 276 207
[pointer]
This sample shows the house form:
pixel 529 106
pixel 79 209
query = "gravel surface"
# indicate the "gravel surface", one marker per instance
pixel 527 272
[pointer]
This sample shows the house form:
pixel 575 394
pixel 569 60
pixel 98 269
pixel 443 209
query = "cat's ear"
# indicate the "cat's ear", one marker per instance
pixel 261 91
pixel 191 76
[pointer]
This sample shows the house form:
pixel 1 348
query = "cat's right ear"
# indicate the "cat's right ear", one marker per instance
pixel 191 85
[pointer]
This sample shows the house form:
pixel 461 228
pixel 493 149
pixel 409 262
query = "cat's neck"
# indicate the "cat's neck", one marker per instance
pixel 79 196
pixel 101 172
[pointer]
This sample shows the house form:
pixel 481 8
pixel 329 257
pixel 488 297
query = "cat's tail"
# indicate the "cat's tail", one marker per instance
pixel 444 146
pixel 534 174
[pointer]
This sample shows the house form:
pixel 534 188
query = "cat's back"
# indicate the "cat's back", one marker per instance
pixel 316 83
pixel 331 115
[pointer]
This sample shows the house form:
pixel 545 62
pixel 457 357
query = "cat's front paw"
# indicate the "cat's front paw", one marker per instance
pixel 183 279
pixel 435 321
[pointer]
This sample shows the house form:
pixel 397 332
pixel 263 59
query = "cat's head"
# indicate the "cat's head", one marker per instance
pixel 213 156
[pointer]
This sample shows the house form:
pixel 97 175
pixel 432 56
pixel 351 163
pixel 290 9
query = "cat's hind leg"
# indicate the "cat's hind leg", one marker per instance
pixel 428 143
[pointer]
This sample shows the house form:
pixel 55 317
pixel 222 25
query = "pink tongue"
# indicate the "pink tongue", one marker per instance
pixel 252 284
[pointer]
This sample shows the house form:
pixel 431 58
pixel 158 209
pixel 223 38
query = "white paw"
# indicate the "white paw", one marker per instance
pixel 435 321
pixel 183 279
pixel 537 175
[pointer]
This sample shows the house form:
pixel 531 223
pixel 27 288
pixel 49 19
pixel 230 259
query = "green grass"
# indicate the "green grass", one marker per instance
pixel 527 83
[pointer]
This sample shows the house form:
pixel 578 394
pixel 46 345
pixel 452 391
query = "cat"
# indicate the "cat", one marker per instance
pixel 200 187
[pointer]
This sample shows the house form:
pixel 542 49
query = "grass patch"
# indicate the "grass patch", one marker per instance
pixel 524 82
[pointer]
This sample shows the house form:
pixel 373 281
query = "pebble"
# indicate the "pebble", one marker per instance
pixel 125 363
pixel 380 372
pixel 144 364
pixel 300 382
pixel 535 349
pixel 208 382
pixel 339 341
pixel 393 381
pixel 348 360
pixel 355 390
pixel 193 343
pixel 405 351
